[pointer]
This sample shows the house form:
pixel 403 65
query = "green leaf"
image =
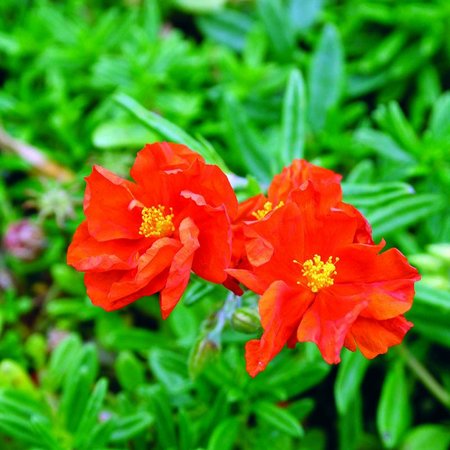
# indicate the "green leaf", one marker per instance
pixel 129 426
pixel 436 437
pixel 200 6
pixel 404 212
pixel 130 371
pixel 279 28
pixel 350 425
pixel 293 120
pixel 224 435
pixel 120 133
pixel 187 432
pixel 393 412
pixel 326 77
pixel 383 145
pixel 170 368
pixel 228 27
pixel 279 418
pixel 61 359
pixel 168 130
pixel 304 13
pixel 90 415
pixel 244 142
pixel 349 378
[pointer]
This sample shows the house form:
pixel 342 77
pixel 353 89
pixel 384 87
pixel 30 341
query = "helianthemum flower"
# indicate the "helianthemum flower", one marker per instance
pixel 321 279
pixel 300 174
pixel 144 237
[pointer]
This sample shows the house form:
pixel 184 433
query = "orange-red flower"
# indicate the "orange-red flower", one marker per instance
pixel 144 237
pixel 323 280
pixel 300 174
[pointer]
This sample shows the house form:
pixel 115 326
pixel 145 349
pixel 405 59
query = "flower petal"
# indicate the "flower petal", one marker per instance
pixel 281 309
pixel 114 289
pixel 180 269
pixel 374 337
pixel 87 254
pixel 327 322
pixel 385 280
pixel 108 206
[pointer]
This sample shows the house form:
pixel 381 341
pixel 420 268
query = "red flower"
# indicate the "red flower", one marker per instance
pixel 323 280
pixel 298 175
pixel 146 237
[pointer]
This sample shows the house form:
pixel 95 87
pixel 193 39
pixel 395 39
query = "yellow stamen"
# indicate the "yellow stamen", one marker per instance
pixel 268 206
pixel 318 274
pixel 155 223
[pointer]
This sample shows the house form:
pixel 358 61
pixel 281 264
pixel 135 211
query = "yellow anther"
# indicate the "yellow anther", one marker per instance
pixel 155 223
pixel 318 274
pixel 268 206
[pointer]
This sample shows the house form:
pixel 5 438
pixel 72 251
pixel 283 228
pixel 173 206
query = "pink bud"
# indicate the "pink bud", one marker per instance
pixel 24 240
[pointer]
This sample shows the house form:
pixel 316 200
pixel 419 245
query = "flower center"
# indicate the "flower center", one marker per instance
pixel 318 273
pixel 268 206
pixel 155 223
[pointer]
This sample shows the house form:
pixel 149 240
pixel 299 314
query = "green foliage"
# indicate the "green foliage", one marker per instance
pixel 358 86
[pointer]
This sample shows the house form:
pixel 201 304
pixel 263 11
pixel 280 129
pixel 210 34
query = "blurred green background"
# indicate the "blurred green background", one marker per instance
pixel 358 86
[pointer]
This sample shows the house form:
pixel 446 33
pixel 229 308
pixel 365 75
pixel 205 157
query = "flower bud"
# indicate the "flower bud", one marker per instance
pixel 24 240
pixel 246 320
pixel 203 351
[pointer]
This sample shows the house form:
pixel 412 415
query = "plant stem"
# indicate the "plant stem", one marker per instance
pixel 421 372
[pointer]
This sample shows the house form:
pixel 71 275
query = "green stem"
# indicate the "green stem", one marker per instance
pixel 425 376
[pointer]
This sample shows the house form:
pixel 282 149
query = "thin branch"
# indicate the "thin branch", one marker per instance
pixel 425 376
pixel 35 157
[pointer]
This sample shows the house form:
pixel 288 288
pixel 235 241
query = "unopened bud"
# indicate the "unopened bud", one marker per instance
pixel 203 352
pixel 24 240
pixel 246 320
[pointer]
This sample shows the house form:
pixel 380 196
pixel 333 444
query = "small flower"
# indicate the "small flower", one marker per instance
pixel 144 237
pixel 321 282
pixel 299 175
pixel 24 240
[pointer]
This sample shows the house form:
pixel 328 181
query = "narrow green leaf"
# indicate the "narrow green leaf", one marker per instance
pixel 279 28
pixel 436 437
pixel 42 428
pixel 127 427
pixel 130 371
pixel 227 27
pixel 224 435
pixel 349 378
pixel 168 130
pixel 293 120
pixel 304 13
pixel 350 425
pixel 393 412
pixel 244 142
pixel 383 145
pixel 403 212
pixel 170 368
pixel 279 418
pixel 90 415
pixel 326 77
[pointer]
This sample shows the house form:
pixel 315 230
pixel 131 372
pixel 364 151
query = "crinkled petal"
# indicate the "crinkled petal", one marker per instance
pixel 214 254
pixel 114 289
pixel 375 337
pixel 327 322
pixel 385 280
pixel 180 268
pixel 109 206
pixel 281 309
pixel 87 254
pixel 300 173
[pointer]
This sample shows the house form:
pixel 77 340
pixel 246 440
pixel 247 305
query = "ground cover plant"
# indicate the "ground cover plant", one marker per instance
pixel 357 87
